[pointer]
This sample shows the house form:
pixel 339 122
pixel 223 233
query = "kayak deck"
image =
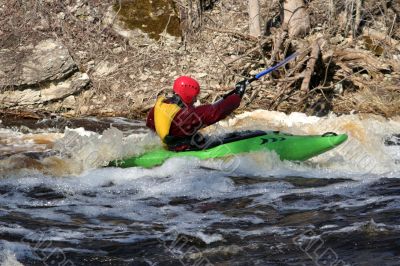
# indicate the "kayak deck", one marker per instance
pixel 286 146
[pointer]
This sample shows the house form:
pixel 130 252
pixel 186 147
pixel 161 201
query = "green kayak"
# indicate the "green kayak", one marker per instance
pixel 287 146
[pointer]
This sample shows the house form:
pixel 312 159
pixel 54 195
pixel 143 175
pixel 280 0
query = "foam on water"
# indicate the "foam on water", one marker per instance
pixel 9 251
pixel 209 238
pixel 12 142
pixel 79 150
pixel 103 197
pixel 89 150
pixel 364 152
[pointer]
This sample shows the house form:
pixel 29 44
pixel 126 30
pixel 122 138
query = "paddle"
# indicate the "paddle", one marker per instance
pixel 242 84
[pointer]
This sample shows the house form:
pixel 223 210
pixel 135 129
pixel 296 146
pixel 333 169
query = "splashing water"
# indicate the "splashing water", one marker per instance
pixel 56 199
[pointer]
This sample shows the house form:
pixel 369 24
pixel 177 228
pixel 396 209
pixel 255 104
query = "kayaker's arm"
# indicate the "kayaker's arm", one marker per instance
pixel 150 120
pixel 212 113
pixel 189 120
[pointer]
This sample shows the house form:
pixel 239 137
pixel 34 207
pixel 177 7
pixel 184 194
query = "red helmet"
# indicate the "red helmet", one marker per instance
pixel 187 88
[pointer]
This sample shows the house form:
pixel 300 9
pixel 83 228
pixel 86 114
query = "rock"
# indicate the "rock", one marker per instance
pixel 90 18
pixel 388 77
pixel 74 8
pixel 201 75
pixel 338 88
pixel 337 39
pixel 254 72
pixel 118 50
pixel 104 68
pixel 47 61
pixel 61 15
pixel 42 25
pixel 69 102
pixel 133 24
pixel 366 76
pixel 39 74
pixel 82 55
pixel 215 84
pixel 54 91
pixel 144 77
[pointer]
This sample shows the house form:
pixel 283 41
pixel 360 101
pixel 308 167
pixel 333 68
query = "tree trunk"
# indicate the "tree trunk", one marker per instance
pixel 332 13
pixel 296 18
pixel 254 18
pixel 357 19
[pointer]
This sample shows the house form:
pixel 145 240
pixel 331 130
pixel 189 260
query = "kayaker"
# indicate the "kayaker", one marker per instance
pixel 177 121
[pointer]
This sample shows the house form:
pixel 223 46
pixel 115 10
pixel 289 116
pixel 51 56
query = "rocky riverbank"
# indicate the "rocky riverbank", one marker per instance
pixel 79 58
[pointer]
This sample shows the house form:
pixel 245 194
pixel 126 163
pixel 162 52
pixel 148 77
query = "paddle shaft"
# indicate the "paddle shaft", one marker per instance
pixel 267 71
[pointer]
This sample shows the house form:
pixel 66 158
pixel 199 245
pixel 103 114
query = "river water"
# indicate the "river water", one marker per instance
pixel 60 206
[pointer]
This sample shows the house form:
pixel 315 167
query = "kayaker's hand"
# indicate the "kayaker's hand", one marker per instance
pixel 229 94
pixel 240 88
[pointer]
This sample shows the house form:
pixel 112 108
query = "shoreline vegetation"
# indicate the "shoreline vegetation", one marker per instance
pixel 113 58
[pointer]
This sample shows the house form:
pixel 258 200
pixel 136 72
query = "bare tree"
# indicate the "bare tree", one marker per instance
pixel 353 16
pixel 296 17
pixel 254 18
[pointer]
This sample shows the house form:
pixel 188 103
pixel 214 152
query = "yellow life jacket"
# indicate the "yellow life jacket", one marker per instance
pixel 164 113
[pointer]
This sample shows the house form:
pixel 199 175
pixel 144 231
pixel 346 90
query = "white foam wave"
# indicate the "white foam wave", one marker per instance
pixel 7 258
pixel 363 153
pixel 10 253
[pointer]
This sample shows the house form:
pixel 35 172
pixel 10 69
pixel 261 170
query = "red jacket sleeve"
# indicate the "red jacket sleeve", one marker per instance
pixel 150 120
pixel 212 113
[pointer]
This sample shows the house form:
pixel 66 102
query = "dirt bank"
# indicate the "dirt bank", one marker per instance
pixel 348 58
